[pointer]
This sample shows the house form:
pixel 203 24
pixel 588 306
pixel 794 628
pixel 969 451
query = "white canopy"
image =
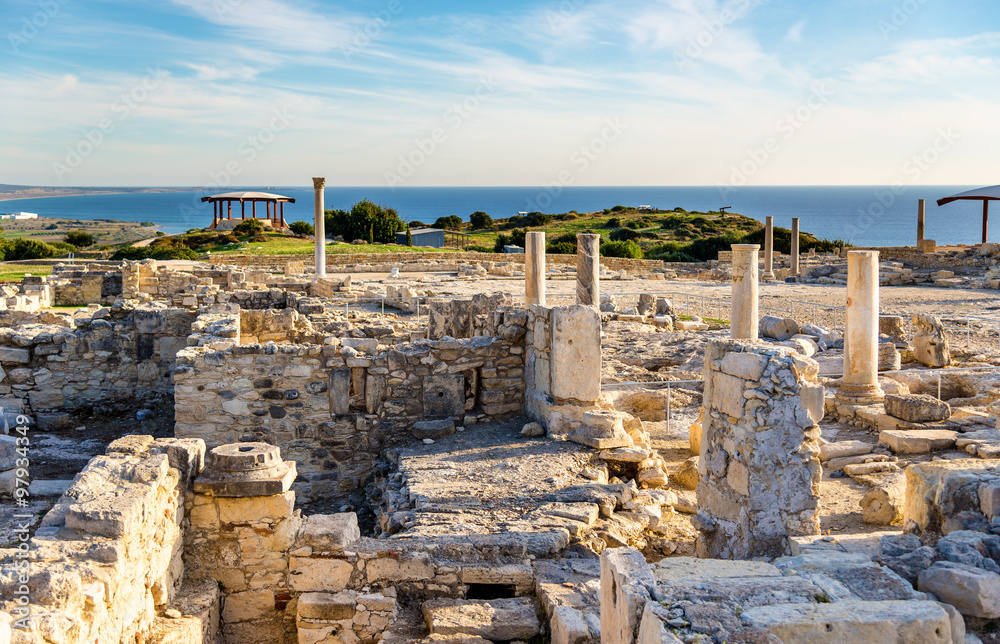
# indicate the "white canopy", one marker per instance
pixel 986 195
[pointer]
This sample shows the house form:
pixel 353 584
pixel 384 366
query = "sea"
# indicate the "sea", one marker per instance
pixel 861 215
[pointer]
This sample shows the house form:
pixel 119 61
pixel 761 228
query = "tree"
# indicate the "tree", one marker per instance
pixel 451 221
pixel 79 238
pixel 24 248
pixel 365 218
pixel 480 220
pixel 301 228
pixel 409 236
pixel 371 234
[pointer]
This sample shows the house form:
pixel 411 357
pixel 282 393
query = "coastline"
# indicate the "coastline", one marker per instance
pixel 32 193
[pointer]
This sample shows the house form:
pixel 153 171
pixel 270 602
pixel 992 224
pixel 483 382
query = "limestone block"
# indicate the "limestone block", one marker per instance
pixel 748 366
pixel 654 627
pixel 727 395
pixel 433 429
pixel 576 353
pixel 932 490
pixel 602 429
pixel 326 606
pixel 10 355
pixel 930 344
pixel 407 567
pixel 842 449
pixel 306 574
pixel 569 626
pixel 329 532
pixel 626 582
pixel 920 441
pixel 871 622
pixel 884 503
pixel 444 395
pixel 972 591
pixel 989 499
pixel 252 509
pixel 917 408
pixel 498 619
pixel 248 605
pixel 340 392
pixel 889 359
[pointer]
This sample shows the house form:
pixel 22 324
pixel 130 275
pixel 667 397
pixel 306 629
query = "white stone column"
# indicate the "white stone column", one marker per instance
pixel 319 183
pixel 860 385
pixel 768 274
pixel 534 268
pixel 795 246
pixel 588 270
pixel 745 307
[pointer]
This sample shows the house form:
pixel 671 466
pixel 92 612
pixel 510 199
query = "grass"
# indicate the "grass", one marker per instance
pixel 14 272
pixel 289 245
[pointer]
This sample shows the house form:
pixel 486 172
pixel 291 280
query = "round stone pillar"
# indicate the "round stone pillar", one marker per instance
pixel 921 213
pixel 768 274
pixel 319 183
pixel 860 385
pixel 588 270
pixel 744 314
pixel 795 246
pixel 534 268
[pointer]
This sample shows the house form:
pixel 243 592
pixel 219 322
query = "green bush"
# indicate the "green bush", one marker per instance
pixel 517 237
pixel 565 238
pixel 453 222
pixel 480 220
pixel 249 227
pixel 409 235
pixel 623 234
pixel 302 228
pixel 561 248
pixel 614 222
pixel 628 249
pixel 501 241
pixel 62 248
pixel 536 219
pixel 707 248
pixel 154 252
pixel 23 248
pixel 619 208
pixel 79 238
pixel 365 219
pixel 482 249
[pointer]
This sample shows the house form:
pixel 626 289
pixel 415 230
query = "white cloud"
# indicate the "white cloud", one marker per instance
pixel 929 61
pixel 795 32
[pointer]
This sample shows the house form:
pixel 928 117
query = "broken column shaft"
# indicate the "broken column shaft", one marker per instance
pixel 588 270
pixel 860 383
pixel 743 318
pixel 795 246
pixel 768 249
pixel 534 268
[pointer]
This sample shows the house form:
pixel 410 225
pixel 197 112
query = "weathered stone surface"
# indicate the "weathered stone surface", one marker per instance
pixel 444 395
pixel 919 441
pixel 433 429
pixel 687 474
pixel 602 429
pixel 496 620
pixel 246 470
pixel 934 491
pixel 306 574
pixel 532 430
pixel 588 270
pixel 329 532
pixel 972 591
pixel 930 344
pixel 878 622
pixel 779 329
pixel 576 353
pixel 883 504
pixel 889 359
pixel 917 408
pixel 626 583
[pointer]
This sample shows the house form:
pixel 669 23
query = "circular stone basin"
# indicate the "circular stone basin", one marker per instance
pixel 244 457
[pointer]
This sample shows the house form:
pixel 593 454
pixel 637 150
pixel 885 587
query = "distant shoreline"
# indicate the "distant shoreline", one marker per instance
pixel 33 193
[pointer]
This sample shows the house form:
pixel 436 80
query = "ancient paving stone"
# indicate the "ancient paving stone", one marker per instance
pixel 917 441
pixel 973 591
pixel 885 622
pixel 843 449
pixel 917 408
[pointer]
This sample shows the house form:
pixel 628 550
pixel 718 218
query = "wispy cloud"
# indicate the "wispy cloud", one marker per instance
pixel 795 32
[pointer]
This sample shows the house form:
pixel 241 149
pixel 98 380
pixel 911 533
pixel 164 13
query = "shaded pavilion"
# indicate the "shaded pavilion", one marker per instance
pixel 274 206
pixel 986 195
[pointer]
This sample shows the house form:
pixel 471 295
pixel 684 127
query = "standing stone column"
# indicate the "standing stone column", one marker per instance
pixel 319 183
pixel 743 317
pixel 860 385
pixel 588 270
pixel 534 268
pixel 795 246
pixel 768 250
pixel 921 211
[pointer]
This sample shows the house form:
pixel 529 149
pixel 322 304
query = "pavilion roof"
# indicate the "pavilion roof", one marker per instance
pixel 247 196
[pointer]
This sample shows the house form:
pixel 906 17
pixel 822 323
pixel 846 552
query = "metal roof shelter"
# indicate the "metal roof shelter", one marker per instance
pixel 986 195
pixel 219 206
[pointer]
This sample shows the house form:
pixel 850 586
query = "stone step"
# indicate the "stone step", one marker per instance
pixel 498 620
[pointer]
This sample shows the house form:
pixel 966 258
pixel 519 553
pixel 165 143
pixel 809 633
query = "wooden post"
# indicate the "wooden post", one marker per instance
pixel 243 209
pixel 230 203
pixel 282 214
pixel 986 218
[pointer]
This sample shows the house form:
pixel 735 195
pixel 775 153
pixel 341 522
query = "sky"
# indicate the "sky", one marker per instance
pixel 517 93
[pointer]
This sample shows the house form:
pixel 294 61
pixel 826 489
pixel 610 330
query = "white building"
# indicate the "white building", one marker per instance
pixel 19 215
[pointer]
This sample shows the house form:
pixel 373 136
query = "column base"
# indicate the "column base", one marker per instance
pixel 860 394
pixel 767 277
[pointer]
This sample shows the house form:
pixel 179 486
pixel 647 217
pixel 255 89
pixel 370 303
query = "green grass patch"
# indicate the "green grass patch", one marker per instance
pixel 14 272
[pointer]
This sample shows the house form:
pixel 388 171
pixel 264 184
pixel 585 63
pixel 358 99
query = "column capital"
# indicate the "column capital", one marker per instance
pixel 319 183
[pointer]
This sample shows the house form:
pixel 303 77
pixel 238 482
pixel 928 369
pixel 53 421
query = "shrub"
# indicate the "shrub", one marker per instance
pixel 628 249
pixel 618 208
pixel 536 219
pixel 623 234
pixel 418 224
pixel 23 248
pixel 258 238
pixel 451 221
pixel 614 222
pixel 62 248
pixel 561 248
pixel 568 238
pixel 159 233
pixel 707 248
pixel 514 222
pixel 249 227
pixel 79 238
pixel 49 227
pixel 480 220
pixel 501 241
pixel 482 249
pixel 302 228
pixel 409 236
pixel 154 252
pixel 517 237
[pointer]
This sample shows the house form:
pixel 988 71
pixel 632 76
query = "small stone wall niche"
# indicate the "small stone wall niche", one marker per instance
pixel 759 465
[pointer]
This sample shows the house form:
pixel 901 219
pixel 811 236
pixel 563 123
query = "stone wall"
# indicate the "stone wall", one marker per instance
pixel 334 407
pixel 107 559
pixel 123 352
pixel 759 467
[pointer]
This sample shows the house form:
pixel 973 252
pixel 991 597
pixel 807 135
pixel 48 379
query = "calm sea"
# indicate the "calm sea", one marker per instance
pixel 863 215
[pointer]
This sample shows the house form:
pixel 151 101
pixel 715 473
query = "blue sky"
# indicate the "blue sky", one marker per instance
pixel 439 93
